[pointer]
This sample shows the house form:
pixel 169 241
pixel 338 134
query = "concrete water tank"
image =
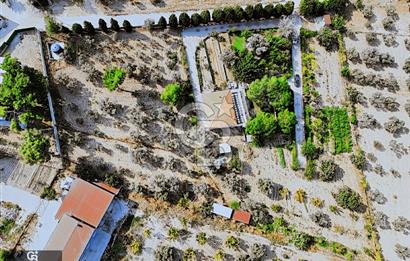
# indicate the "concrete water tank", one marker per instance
pixel 56 48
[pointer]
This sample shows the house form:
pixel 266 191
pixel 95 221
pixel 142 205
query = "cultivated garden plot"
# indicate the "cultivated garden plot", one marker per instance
pixel 383 113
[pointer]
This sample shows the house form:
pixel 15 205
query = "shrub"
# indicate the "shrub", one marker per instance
pixel 219 255
pixel 229 14
pixel 201 238
pixel 345 71
pixel 302 240
pixel 317 202
pixel 173 21
pixel 359 159
pixel 235 204
pixel 14 125
pixel 309 149
pixel 276 208
pixel 239 13
pixel 258 11
pixel 311 8
pixel 300 195
pixel 232 242
pixel 327 38
pixel 262 126
pixel 35 147
pixel 48 193
pixel 136 246
pixel 321 219
pixel 89 28
pixel 77 28
pixel 114 25
pixel 172 94
pixel 189 255
pixel 162 22
pixel 310 171
pixel 249 12
pixel 102 25
pixel 347 198
pixel 52 27
pixel 165 253
pixel 287 121
pixel 173 233
pixel 328 170
pixel 338 23
pixel 113 77
pixel 127 26
pixel 295 162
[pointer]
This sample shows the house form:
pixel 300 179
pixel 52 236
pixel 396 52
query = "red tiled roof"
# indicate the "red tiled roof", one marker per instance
pixel 86 202
pixel 242 216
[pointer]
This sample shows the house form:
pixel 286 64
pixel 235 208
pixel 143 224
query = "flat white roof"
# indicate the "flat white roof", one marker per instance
pixel 224 148
pixel 221 210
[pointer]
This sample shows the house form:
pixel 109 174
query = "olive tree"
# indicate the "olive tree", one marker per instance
pixel 348 198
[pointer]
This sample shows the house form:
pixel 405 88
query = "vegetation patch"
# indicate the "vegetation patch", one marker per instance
pixel 113 77
pixel 337 121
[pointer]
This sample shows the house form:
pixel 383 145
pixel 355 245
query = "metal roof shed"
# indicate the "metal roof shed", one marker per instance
pixel 221 210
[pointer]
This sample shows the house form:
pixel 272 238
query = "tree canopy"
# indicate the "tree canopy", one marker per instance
pixel 262 126
pixel 287 121
pixel 270 93
pixel 35 147
pixel 23 90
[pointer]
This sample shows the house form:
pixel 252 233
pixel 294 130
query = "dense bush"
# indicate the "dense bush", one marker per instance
pixel 113 77
pixel 302 240
pixel 309 149
pixel 196 19
pixel 52 26
pixel 173 21
pixel 287 121
pixel 347 198
pixel 35 147
pixel 184 20
pixel 359 159
pixel 162 23
pixel 89 28
pixel 310 170
pixel 262 127
pixel 328 170
pixel 172 94
pixel 114 25
pixel 327 38
pixel 311 8
pixel 102 25
pixel 165 253
pixel 127 26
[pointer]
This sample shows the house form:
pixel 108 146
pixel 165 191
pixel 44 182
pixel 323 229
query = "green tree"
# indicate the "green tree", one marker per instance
pixel 184 20
pixel 311 8
pixel 113 77
pixel 302 240
pixel 196 19
pixel 89 28
pixel 162 22
pixel 249 12
pixel 102 25
pixel 14 125
pixel 35 147
pixel 269 10
pixel 327 38
pixel 288 8
pixel 127 26
pixel 52 27
pixel 114 25
pixel 258 11
pixel 23 90
pixel 337 6
pixel 287 121
pixel 173 21
pixel 172 94
pixel 77 28
pixel 206 16
pixel 232 242
pixel 247 68
pixel 239 13
pixel 218 15
pixel 270 93
pixel 263 126
pixel 348 198
pixel 309 149
pixel 229 14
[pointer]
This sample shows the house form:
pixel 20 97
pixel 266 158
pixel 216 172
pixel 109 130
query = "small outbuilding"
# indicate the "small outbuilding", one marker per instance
pixel 224 148
pixel 221 210
pixel 242 216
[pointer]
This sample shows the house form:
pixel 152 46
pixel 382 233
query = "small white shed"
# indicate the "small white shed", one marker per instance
pixel 221 210
pixel 225 148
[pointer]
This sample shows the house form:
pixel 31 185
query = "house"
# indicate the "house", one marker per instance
pixel 87 218
pixel 225 109
pixel 327 19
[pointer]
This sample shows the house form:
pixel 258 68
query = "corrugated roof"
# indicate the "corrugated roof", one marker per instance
pixel 221 210
pixel 242 216
pixel 71 236
pixel 107 188
pixel 86 202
